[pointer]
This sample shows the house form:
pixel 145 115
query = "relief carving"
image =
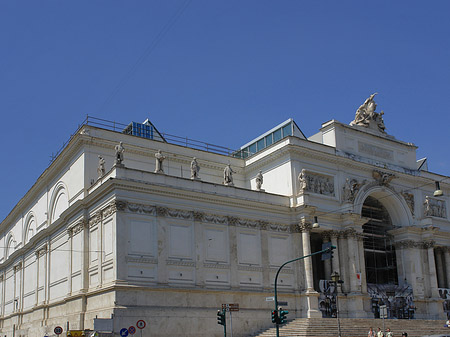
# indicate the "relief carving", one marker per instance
pixel 350 189
pixel 409 198
pixel 434 207
pixel 315 183
pixel 382 178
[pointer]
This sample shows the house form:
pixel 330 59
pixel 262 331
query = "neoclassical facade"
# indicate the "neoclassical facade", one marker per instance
pixel 137 226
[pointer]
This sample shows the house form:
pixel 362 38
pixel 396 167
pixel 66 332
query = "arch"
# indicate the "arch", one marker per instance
pixel 59 201
pixel 10 245
pixel 30 227
pixel 394 203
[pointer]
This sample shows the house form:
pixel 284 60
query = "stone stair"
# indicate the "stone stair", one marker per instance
pixel 327 327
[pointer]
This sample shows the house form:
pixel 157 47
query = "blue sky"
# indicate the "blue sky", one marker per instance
pixel 222 72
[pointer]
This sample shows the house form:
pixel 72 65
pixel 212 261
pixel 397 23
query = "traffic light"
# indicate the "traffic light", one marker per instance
pixel 331 251
pixel 221 317
pixel 283 317
pixel 275 316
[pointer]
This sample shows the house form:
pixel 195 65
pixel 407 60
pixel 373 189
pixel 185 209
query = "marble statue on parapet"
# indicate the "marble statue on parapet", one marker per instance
pixel 159 162
pixel 302 180
pixel 228 175
pixel 367 116
pixel 259 180
pixel 101 167
pixel 195 168
pixel 119 154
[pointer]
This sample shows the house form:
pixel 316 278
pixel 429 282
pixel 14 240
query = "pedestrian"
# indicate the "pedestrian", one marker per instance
pixel 380 333
pixel 389 333
pixel 371 333
pixel 404 334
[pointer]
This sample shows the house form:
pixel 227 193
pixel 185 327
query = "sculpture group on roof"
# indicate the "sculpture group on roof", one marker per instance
pixel 367 116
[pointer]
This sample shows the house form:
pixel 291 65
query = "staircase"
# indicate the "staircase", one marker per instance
pixel 327 327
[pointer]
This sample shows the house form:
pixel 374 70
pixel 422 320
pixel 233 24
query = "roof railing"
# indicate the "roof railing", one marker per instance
pixel 172 139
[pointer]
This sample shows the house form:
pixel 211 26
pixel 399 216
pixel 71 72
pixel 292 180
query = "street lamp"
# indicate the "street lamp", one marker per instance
pixel 335 278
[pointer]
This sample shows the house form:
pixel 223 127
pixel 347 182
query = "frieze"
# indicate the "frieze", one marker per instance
pixel 249 268
pixel 180 263
pixel 295 228
pixel 120 205
pixel 140 259
pixel 216 266
pixel 77 228
pixel 409 198
pixel 280 228
pixel 175 213
pixel 198 216
pixel 95 219
pixel 434 207
pixel 41 252
pixel 161 211
pixel 287 270
pixel 428 244
pixel 326 236
pixel 212 218
pixel 316 183
pixel 232 221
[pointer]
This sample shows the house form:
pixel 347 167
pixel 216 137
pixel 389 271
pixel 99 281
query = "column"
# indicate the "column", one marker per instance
pixel 306 244
pixel 69 264
pixel 362 263
pixel 447 265
pixel 327 263
pixel 440 267
pixel 335 264
pixel 37 278
pixel 353 259
pixel 429 246
pixel 2 304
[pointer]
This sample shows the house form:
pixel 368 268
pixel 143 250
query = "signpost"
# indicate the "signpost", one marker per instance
pixel 230 307
pixel 141 325
pixel 58 330
pixel 131 330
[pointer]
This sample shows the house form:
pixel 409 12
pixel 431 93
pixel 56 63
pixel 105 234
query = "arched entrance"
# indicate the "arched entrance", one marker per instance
pixel 384 211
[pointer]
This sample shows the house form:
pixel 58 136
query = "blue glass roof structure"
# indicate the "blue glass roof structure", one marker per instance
pixel 281 131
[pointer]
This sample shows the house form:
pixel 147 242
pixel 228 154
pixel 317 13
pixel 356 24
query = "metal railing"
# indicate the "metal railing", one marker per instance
pixel 171 139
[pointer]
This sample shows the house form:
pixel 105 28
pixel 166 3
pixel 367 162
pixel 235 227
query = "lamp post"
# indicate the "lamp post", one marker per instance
pixel 335 278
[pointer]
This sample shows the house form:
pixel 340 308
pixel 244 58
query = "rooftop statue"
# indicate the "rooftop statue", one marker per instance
pixel 367 116
pixel 195 168
pixel 159 158
pixel 119 154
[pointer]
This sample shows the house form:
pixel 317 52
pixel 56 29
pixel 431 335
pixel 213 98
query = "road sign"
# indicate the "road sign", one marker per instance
pixel 383 311
pixel 75 333
pixel 132 330
pixel 282 303
pixel 270 299
pixel 124 332
pixel 58 330
pixel 141 324
pixel 231 307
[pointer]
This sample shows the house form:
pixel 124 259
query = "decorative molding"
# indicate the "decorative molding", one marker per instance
pixel 304 227
pixel 351 189
pixel 249 268
pixel 161 211
pixel 382 178
pixel 95 219
pixel 180 263
pixel 350 233
pixel 198 216
pixel 141 259
pixel 434 207
pixel 77 228
pixel 428 244
pixel 216 265
pixel 316 183
pixel 409 199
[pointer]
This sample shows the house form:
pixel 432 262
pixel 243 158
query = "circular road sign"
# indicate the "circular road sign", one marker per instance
pixel 124 332
pixel 58 330
pixel 140 324
pixel 132 330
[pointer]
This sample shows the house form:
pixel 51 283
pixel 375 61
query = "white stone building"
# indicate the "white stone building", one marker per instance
pixel 170 248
